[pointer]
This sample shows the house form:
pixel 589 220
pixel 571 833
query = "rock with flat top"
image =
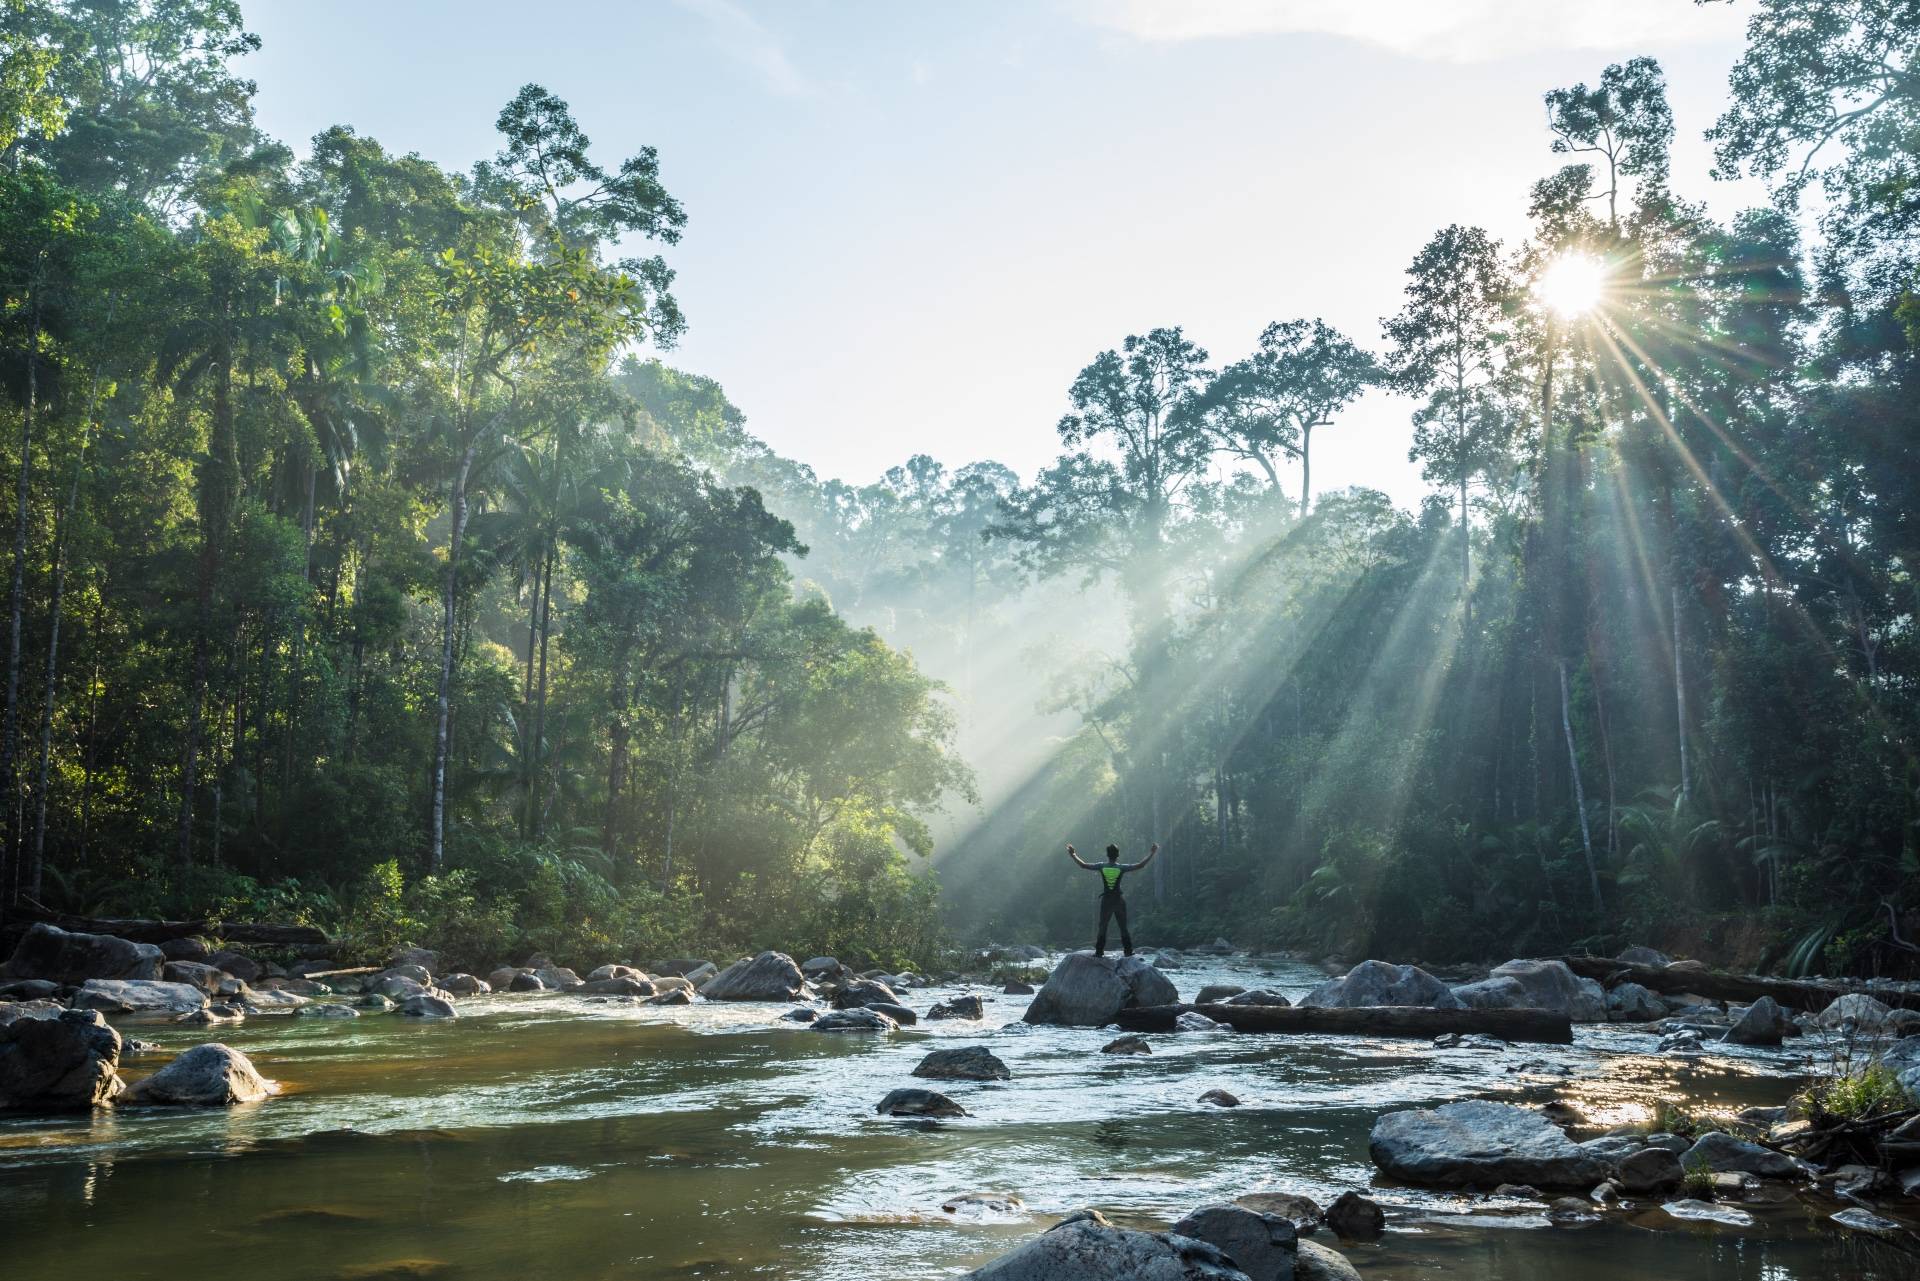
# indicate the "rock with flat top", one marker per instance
pixel 1260 1245
pixel 1354 1217
pixel 69 956
pixel 862 1019
pixel 1481 1144
pixel 149 997
pixel 967 1063
pixel 1537 985
pixel 911 1102
pixel 210 1075
pixel 1085 990
pixel 958 1007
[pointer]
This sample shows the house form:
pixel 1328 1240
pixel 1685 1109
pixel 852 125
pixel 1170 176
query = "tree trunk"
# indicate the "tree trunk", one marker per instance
pixel 1306 468
pixel 443 698
pixel 10 751
pixel 1579 789
pixel 535 819
pixel 219 477
pixel 1680 699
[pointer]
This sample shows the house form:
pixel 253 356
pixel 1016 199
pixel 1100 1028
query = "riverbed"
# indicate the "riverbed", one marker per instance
pixel 543 1138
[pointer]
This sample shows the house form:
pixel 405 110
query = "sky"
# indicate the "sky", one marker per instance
pixel 911 225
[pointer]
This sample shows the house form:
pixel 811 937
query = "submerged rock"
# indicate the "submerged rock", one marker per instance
pixel 672 996
pixel 968 1063
pixel 1382 983
pixel 427 1007
pixel 1194 1021
pixel 210 1075
pixel 1707 1212
pixel 327 1010
pixel 1221 1098
pixel 1260 1245
pixel 958 1007
pixel 1085 990
pixel 67 1061
pixel 525 981
pixel 1481 1144
pixel 911 1102
pixel 1354 1217
pixel 770 976
pixel 1085 1247
pixel 64 956
pixel 800 1014
pixel 1127 1045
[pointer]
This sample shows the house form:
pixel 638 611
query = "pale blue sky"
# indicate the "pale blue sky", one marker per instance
pixel 910 225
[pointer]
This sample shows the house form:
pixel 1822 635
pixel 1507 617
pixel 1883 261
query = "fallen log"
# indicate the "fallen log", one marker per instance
pixel 1363 1020
pixel 151 931
pixel 1668 980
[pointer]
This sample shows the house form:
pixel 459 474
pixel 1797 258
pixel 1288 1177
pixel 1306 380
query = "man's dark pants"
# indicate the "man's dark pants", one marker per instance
pixel 1113 907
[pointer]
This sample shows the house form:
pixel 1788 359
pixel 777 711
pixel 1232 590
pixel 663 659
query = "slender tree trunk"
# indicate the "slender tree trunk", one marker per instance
pixel 443 698
pixel 1680 698
pixel 219 477
pixel 618 737
pixel 1306 468
pixel 536 817
pixel 1579 789
pixel 10 751
pixel 1606 755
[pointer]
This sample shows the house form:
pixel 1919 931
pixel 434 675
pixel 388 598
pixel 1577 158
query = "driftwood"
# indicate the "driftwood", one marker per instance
pixel 1669 980
pixel 145 931
pixel 1364 1020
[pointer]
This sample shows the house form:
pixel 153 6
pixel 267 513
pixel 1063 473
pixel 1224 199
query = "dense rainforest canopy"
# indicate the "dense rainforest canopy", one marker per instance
pixel 369 566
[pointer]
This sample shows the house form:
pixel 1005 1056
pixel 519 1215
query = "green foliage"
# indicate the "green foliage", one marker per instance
pixel 1850 1091
pixel 1697 1179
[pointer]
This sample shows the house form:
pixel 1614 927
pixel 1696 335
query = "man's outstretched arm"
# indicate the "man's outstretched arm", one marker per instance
pixel 1134 867
pixel 1075 856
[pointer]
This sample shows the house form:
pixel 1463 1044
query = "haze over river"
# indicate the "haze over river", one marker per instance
pixel 543 1138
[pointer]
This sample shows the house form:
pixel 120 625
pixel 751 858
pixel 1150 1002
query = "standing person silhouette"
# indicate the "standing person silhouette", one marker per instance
pixel 1113 904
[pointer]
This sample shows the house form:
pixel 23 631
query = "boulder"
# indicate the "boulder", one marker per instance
pixel 38 1009
pixel 800 1014
pixel 1537 985
pixel 1260 1245
pixel 911 1102
pixel 191 948
pixel 526 981
pixel 29 990
pixel 770 976
pixel 1382 983
pixel 427 1007
pixel 1216 992
pixel 1297 1208
pixel 898 1013
pixel 62 956
pixel 1354 1217
pixel 418 973
pixel 1631 1003
pixel 424 957
pixel 693 969
pixel 238 964
pixel 210 1075
pixel 375 1002
pixel 672 996
pixel 139 996
pixel 1017 988
pixel 270 1000
pixel 1642 956
pixel 558 977
pixel 968 1063
pixel 1856 1008
pixel 501 980
pixel 1085 990
pixel 466 985
pixel 1724 1154
pixel 1481 1144
pixel 1260 996
pixel 861 1019
pixel 1085 1247
pixel 327 1010
pixel 67 1061
pixel 671 983
pixel 864 992
pixel 1684 1041
pixel 616 972
pixel 1762 1023
pixel 958 1007
pixel 1316 1262
pixel 1649 1170
pixel 1221 1098
pixel 1127 1045
pixel 821 967
pixel 620 986
pixel 209 979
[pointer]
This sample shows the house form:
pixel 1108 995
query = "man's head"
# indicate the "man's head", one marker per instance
pixel 1113 853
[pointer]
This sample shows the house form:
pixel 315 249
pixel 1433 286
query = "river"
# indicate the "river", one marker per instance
pixel 542 1138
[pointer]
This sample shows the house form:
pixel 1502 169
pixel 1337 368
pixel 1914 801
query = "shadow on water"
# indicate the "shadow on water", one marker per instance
pixel 544 1139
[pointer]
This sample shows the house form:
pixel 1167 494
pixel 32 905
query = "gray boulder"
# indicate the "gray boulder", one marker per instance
pixel 1213 993
pixel 1129 1044
pixel 427 1007
pixel 1537 985
pixel 1259 996
pixel 525 981
pixel 1643 956
pixel 1631 1003
pixel 864 992
pixel 898 1013
pixel 800 1014
pixel 418 973
pixel 616 972
pixel 1354 1217
pixel 140 997
pixel 1762 1023
pixel 819 967
pixel 958 1007
pixel 1316 1262
pixel 465 985
pixel 770 976
pixel 191 948
pixel 691 968
pixel 1382 983
pixel 35 1009
pixel 672 996
pixel 62 956
pixel 863 1019
pixel 29 990
pixel 238 964
pixel 375 1002
pixel 968 1063
pixel 210 1075
pixel 1649 1170
pixel 911 1102
pixel 69 1061
pixel 1481 1144
pixel 327 1010
pixel 1724 1154
pixel 618 986
pixel 1085 1247
pixel 1856 1008
pixel 1085 990
pixel 1260 1245
pixel 559 978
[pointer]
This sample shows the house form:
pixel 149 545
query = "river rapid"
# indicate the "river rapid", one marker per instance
pixel 543 1138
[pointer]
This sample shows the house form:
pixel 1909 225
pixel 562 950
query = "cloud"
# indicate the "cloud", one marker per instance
pixel 1437 30
pixel 740 34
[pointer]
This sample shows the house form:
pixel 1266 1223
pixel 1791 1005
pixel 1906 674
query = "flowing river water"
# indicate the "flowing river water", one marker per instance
pixel 543 1138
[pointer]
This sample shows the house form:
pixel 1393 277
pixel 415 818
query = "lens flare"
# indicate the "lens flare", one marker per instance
pixel 1571 285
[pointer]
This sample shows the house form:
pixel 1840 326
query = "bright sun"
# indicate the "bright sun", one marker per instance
pixel 1571 284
